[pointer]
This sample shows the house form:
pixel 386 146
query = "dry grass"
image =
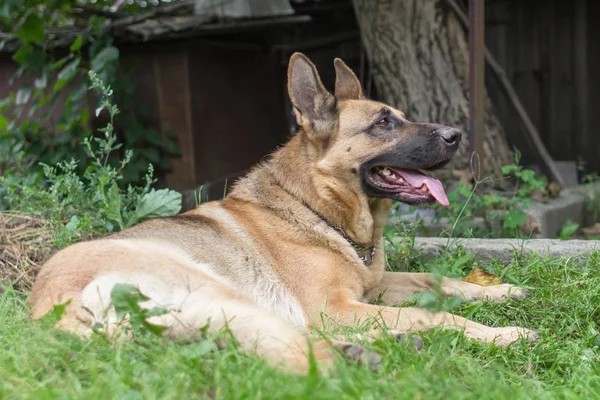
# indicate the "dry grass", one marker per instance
pixel 25 243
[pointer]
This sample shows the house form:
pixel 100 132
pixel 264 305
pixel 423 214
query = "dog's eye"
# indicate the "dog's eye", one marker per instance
pixel 385 122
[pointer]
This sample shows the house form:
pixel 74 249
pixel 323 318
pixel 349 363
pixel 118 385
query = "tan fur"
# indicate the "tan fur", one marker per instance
pixel 261 262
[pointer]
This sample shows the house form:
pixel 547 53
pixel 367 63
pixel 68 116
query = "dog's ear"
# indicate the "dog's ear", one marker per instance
pixel 347 85
pixel 313 105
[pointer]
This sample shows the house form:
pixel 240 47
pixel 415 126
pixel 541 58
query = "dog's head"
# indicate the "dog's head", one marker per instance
pixel 366 145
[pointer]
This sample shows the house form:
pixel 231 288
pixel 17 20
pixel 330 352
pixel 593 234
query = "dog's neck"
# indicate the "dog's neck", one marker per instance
pixel 362 220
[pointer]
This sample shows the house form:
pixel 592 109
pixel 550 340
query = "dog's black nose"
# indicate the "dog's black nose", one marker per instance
pixel 450 135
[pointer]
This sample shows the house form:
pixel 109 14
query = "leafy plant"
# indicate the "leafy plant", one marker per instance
pixel 504 212
pixel 126 299
pixel 55 43
pixel 97 203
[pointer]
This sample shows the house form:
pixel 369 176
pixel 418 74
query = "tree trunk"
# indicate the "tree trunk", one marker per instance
pixel 419 63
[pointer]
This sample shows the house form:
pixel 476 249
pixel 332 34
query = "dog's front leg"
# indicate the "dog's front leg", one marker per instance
pixel 396 287
pixel 416 320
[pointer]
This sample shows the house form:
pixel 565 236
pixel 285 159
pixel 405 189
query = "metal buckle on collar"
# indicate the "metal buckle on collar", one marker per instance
pixel 368 258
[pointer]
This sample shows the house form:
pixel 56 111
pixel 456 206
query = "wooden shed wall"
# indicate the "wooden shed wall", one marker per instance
pixel 550 53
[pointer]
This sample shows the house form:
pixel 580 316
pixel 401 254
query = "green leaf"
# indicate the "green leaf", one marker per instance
pixel 514 219
pixel 3 122
pixel 125 298
pixel 8 8
pixel 105 56
pixel 66 74
pixel 462 261
pixel 60 62
pixel 76 45
pixel 112 205
pixel 72 224
pixel 157 203
pixel 196 351
pixel 50 319
pixel 32 29
pixel 568 229
pixel 30 57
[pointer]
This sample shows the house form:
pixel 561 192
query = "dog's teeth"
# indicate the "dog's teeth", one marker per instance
pixel 424 188
pixel 386 172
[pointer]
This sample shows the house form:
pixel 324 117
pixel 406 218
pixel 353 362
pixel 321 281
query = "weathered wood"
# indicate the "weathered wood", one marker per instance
pixel 580 73
pixel 516 102
pixel 477 83
pixel 419 55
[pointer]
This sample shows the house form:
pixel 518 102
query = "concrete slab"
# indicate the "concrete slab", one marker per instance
pixel 504 249
pixel 551 216
pixel 568 172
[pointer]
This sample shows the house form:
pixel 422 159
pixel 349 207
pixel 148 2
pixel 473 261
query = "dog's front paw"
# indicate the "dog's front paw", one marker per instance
pixel 503 292
pixel 403 337
pixel 511 334
pixel 361 356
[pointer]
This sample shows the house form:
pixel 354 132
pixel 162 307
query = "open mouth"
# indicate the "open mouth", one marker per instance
pixel 409 186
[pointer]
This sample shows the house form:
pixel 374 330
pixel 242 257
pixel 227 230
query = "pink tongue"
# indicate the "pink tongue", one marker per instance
pixel 417 180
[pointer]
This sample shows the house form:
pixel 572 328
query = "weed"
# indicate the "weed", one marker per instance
pixel 503 214
pixel 77 207
pixel 568 229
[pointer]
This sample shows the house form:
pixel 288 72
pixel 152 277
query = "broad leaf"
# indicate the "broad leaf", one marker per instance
pixel 72 224
pixel 76 45
pixel 462 261
pixel 112 205
pixel 66 74
pixel 50 319
pixel 157 203
pixel 107 55
pixel 8 8
pixel 126 300
pixel 32 29
pixel 30 57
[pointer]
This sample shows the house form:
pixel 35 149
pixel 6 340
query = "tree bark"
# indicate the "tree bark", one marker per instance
pixel 419 59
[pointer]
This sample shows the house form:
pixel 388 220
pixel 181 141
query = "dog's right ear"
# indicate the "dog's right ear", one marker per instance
pixel 313 105
pixel 347 85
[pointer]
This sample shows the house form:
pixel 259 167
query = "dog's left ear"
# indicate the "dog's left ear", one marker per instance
pixel 347 85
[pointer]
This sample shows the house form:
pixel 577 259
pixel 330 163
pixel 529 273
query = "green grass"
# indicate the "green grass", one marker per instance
pixel 564 307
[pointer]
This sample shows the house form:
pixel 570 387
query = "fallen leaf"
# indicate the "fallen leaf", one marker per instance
pixel 482 278
pixel 554 189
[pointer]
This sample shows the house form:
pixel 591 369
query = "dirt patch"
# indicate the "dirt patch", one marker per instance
pixel 24 245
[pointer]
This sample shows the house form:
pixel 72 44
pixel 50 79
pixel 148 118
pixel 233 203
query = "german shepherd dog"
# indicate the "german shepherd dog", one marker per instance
pixel 298 241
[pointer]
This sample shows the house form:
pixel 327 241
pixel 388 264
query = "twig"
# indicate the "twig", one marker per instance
pixel 514 99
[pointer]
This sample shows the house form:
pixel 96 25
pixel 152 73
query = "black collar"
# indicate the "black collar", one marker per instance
pixel 365 253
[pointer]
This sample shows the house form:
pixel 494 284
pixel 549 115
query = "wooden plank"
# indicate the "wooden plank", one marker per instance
pixel 237 114
pixel 560 113
pixel 580 73
pixel 591 139
pixel 514 99
pixel 477 82
pixel 172 82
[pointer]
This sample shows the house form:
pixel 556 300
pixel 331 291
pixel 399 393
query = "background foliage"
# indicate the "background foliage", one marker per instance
pixel 56 43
